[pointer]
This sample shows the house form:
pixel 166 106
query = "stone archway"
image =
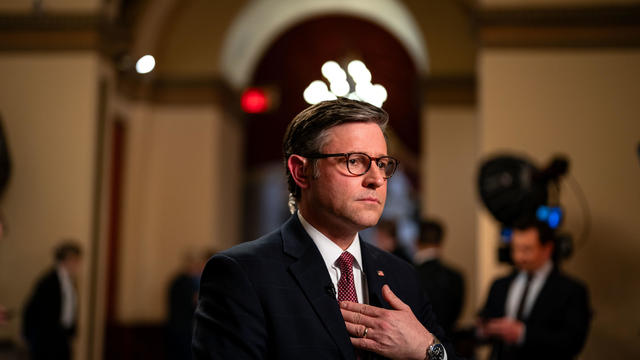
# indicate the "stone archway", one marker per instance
pixel 262 21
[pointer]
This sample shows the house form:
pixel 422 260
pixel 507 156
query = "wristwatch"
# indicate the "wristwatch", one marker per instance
pixel 435 351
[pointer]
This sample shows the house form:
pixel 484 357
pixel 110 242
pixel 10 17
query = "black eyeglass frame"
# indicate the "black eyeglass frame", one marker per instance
pixel 347 155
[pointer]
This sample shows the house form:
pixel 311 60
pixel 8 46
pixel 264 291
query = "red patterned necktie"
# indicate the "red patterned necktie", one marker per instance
pixel 346 287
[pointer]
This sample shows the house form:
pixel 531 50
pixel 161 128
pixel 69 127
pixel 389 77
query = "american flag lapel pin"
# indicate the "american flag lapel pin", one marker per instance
pixel 380 273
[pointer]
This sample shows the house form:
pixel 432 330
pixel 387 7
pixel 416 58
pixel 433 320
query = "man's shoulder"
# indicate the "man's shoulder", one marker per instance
pixel 49 278
pixel 385 258
pixel 271 244
pixel 266 245
pixel 452 273
pixel 505 280
pixel 47 288
pixel 567 282
pixel 252 259
pixel 437 266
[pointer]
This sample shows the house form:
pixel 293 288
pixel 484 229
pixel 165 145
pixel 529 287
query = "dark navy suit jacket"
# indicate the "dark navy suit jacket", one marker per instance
pixel 45 335
pixel 445 288
pixel 271 299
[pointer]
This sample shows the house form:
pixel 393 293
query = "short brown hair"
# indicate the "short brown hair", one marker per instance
pixel 66 249
pixel 431 232
pixel 545 233
pixel 307 132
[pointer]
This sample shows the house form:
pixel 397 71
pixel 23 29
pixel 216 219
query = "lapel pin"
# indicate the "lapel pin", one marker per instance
pixel 380 273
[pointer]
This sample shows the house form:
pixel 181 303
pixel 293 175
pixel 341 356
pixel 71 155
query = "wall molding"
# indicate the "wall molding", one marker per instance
pixel 62 32
pixel 436 90
pixel 587 27
pixel 177 91
pixel 459 90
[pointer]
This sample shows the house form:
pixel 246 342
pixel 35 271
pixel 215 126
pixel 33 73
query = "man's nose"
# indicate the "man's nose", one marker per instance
pixel 374 178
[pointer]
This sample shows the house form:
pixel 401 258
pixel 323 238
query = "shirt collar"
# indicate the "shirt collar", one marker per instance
pixel 542 272
pixel 63 274
pixel 328 249
pixel 426 254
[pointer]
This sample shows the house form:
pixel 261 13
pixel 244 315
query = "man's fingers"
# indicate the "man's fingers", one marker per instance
pixel 357 318
pixel 361 308
pixel 495 327
pixel 392 299
pixel 358 330
pixel 365 343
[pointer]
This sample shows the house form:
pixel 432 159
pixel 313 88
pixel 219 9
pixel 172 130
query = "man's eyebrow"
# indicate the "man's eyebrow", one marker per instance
pixel 366 152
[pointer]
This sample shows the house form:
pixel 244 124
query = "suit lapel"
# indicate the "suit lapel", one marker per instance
pixel 374 271
pixel 311 274
pixel 543 296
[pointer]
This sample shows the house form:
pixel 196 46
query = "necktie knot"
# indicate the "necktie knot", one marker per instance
pixel 345 261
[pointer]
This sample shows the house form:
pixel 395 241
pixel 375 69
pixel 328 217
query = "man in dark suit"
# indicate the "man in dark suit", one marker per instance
pixel 385 237
pixel 443 284
pixel 5 175
pixel 275 297
pixel 183 298
pixel 49 321
pixel 537 312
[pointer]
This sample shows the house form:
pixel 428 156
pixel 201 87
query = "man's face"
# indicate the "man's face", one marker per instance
pixel 73 265
pixel 338 200
pixel 527 252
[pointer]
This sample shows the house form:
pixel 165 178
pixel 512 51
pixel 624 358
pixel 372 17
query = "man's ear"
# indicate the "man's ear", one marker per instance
pixel 548 248
pixel 298 168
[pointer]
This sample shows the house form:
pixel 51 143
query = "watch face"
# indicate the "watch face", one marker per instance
pixel 436 352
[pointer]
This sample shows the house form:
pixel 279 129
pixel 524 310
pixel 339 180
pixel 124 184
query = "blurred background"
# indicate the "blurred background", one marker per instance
pixel 144 166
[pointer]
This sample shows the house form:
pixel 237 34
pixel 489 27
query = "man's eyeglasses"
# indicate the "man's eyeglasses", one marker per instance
pixel 359 163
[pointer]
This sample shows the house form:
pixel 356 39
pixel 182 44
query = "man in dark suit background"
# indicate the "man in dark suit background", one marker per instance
pixel 5 175
pixel 443 284
pixel 385 237
pixel 275 297
pixel 182 301
pixel 537 312
pixel 50 315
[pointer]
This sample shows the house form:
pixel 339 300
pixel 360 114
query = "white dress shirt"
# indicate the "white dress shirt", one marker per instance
pixel 426 254
pixel 517 288
pixel 331 252
pixel 69 300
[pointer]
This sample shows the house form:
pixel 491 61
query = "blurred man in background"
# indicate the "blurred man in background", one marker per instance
pixel 50 314
pixel 183 298
pixel 5 174
pixel 443 284
pixel 537 312
pixel 385 237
